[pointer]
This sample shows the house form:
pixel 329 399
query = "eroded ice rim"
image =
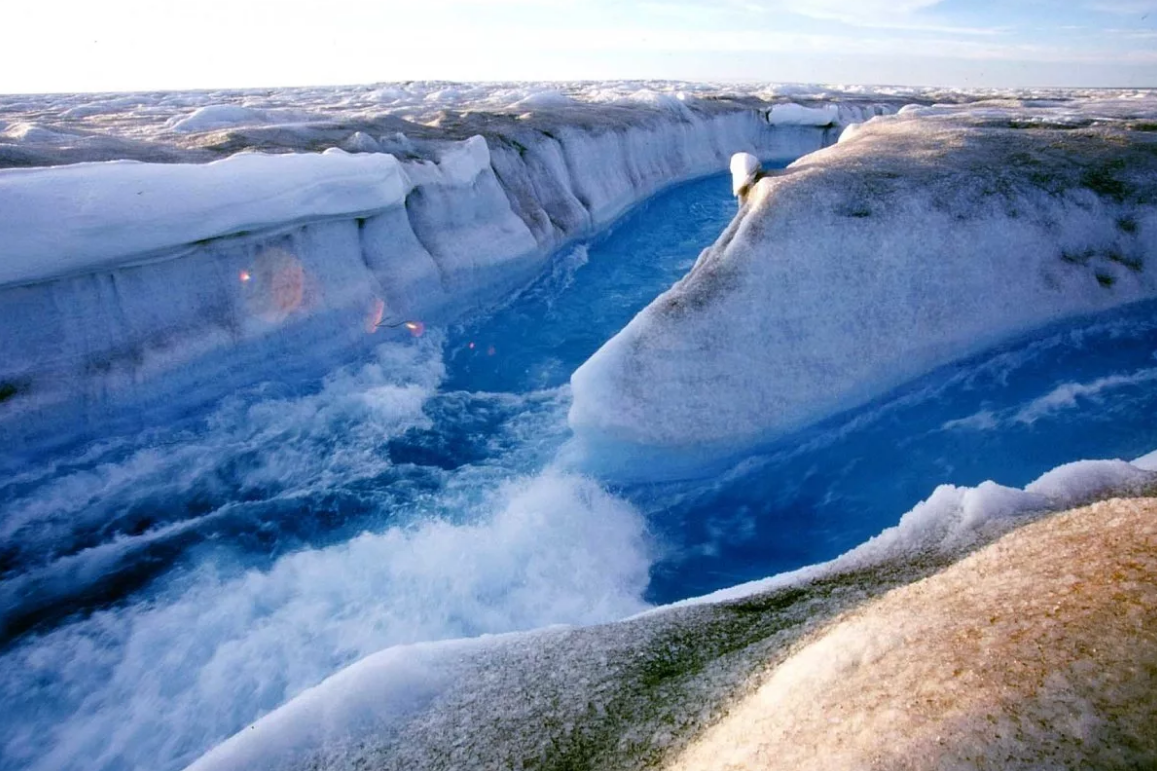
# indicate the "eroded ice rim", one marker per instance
pixel 75 218
pixel 918 239
pixel 372 701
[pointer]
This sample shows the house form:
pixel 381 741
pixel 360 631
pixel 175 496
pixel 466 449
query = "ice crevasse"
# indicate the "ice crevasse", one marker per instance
pixel 916 240
pixel 126 284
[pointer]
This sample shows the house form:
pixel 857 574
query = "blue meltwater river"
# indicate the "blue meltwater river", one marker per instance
pixel 160 592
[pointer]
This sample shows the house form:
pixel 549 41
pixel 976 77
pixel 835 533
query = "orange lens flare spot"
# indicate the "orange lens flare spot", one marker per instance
pixel 375 316
pixel 416 328
pixel 277 285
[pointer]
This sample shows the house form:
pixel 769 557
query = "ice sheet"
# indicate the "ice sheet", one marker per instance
pixel 125 279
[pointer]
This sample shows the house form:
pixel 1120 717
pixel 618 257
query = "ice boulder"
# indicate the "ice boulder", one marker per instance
pixel 917 241
pixel 744 170
pixel 361 142
pixel 545 98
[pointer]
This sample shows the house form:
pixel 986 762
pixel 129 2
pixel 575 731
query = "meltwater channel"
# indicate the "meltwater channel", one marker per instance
pixel 160 592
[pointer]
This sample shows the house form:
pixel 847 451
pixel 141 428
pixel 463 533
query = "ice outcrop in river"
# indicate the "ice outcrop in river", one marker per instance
pixel 918 240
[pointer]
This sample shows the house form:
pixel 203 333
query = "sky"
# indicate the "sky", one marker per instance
pixel 123 45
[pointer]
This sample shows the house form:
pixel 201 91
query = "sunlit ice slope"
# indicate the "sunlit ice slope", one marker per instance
pixel 1037 652
pixel 916 240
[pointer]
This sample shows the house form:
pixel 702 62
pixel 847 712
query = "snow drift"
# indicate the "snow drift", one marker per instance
pixel 918 240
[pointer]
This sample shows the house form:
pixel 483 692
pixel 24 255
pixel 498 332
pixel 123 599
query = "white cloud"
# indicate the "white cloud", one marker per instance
pixel 1125 7
pixel 864 9
pixel 1130 34
pixel 905 15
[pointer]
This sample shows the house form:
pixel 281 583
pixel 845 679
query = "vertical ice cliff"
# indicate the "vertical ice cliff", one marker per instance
pixel 916 241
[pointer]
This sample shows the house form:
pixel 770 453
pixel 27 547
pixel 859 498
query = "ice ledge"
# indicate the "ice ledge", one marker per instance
pixel 73 219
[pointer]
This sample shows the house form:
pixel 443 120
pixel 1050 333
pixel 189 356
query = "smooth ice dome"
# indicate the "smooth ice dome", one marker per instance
pixel 1035 652
pixel 798 115
pixel 922 239
pixel 215 116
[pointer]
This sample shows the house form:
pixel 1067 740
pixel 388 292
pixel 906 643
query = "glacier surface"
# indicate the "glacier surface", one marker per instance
pixel 423 201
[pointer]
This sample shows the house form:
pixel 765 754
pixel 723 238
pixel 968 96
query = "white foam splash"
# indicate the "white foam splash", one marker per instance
pixel 155 684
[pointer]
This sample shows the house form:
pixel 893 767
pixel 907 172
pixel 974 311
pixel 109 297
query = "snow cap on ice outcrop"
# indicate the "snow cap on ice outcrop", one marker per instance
pixel 744 170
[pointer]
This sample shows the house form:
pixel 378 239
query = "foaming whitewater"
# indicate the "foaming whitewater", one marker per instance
pixel 156 683
pixel 255 610
pixel 252 472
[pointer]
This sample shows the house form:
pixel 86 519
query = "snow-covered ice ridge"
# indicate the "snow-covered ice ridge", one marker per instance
pixel 918 239
pixel 160 242
pixel 50 129
pixel 39 130
pixel 628 694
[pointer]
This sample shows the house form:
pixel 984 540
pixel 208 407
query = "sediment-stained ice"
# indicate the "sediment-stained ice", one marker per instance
pixel 1035 652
